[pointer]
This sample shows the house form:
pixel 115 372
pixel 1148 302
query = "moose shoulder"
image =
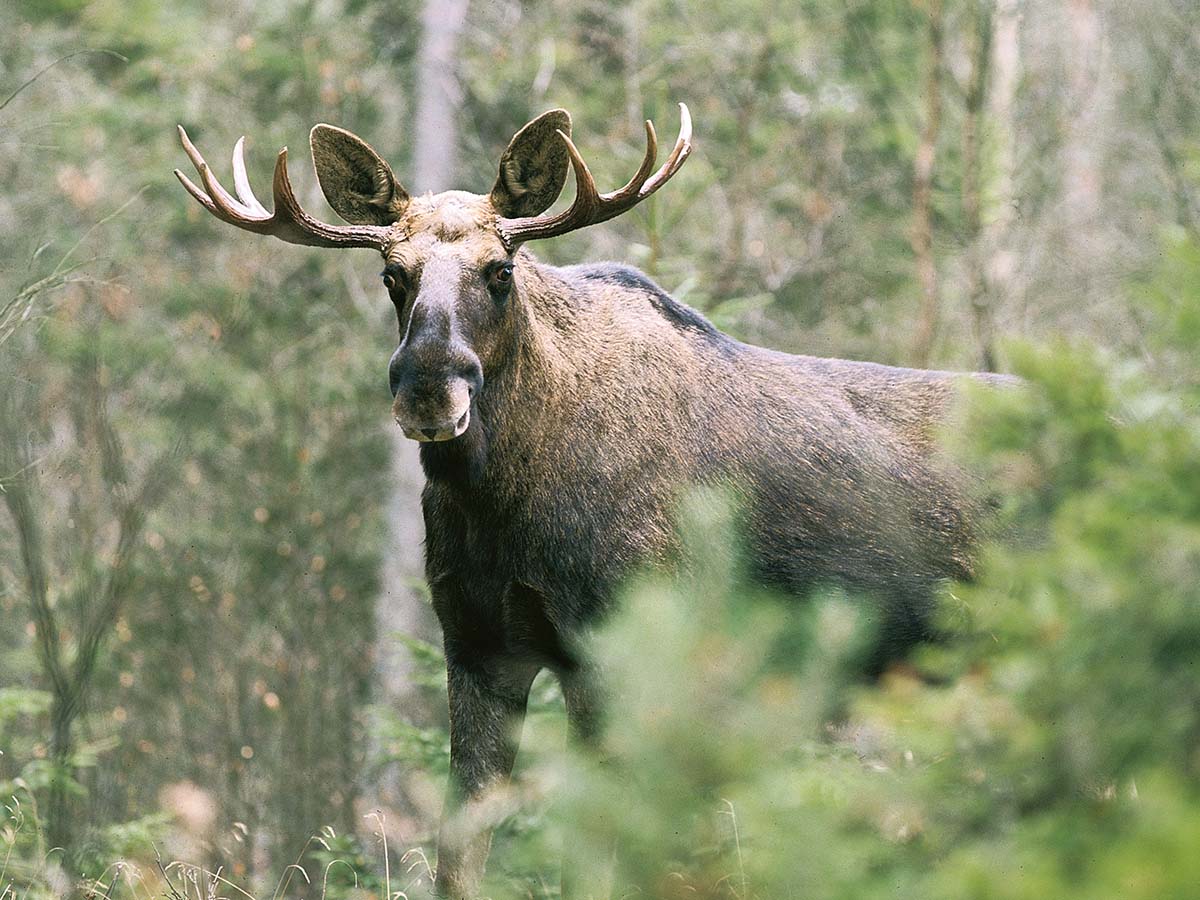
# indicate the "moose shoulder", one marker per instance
pixel 562 413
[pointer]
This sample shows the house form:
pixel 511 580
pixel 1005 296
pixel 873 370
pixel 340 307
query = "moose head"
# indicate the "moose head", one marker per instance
pixel 451 261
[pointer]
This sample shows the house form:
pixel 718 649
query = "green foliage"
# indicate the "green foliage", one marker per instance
pixel 16 702
pixel 425 750
pixel 347 869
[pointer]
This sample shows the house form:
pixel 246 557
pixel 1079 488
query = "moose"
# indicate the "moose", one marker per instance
pixel 561 413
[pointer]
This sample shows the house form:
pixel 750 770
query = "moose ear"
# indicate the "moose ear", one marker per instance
pixel 534 167
pixel 357 182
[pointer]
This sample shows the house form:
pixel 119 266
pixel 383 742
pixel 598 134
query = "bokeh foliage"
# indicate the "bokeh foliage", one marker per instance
pixel 222 400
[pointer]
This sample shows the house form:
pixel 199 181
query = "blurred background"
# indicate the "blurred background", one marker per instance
pixel 214 638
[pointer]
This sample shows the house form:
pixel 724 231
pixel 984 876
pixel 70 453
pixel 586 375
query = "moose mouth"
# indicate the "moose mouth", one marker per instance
pixel 435 433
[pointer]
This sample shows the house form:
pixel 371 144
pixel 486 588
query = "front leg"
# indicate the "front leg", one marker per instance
pixel 488 697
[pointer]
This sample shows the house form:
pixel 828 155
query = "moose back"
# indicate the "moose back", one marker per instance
pixel 561 413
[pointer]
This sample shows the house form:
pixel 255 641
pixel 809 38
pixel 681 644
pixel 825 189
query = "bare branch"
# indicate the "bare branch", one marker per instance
pixel 32 548
pixel 46 69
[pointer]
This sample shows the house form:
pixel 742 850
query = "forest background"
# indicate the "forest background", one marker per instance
pixel 214 640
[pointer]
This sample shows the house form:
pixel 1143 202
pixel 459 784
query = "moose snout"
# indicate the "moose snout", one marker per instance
pixel 431 406
pixel 444 429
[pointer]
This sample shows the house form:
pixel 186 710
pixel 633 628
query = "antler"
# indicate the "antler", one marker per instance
pixel 590 206
pixel 288 222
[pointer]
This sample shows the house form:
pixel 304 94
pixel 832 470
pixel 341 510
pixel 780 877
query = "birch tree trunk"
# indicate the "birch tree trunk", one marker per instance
pixel 439 96
pixel 1000 257
pixel 401 608
pixel 1083 231
pixel 923 171
pixel 980 52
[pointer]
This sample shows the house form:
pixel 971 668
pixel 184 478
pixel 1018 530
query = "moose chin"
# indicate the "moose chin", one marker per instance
pixel 561 413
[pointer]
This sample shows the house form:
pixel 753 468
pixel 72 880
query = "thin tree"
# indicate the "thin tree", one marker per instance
pixel 974 98
pixel 921 234
pixel 96 579
pixel 400 608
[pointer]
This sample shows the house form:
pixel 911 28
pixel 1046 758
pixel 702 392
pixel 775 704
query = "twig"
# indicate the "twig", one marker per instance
pixel 737 843
pixel 387 867
pixel 19 308
pixel 46 69
pixel 215 875
pixel 325 880
pixel 112 215
pixel 285 880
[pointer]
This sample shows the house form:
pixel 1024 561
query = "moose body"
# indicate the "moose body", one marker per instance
pixel 617 398
pixel 564 412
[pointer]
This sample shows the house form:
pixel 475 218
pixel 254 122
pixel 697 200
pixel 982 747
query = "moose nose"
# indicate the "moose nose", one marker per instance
pixel 442 414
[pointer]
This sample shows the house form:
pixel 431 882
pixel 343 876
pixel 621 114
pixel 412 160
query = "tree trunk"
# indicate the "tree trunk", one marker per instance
pixel 62 751
pixel 980 50
pixel 923 172
pixel 997 255
pixel 1083 231
pixel 439 96
pixel 401 608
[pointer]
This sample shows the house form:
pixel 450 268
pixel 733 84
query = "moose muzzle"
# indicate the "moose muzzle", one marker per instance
pixel 432 402
pixel 441 428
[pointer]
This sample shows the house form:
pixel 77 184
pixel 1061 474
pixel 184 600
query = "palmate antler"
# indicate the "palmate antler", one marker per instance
pixel 590 205
pixel 289 221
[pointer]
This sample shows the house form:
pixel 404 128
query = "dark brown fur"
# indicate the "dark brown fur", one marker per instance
pixel 611 399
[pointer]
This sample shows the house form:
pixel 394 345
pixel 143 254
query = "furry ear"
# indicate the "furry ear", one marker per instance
pixel 357 181
pixel 534 167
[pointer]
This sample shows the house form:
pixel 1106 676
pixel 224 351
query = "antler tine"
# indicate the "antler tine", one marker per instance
pixel 651 157
pixel 190 149
pixel 200 196
pixel 224 206
pixel 241 182
pixel 236 212
pixel 286 202
pixel 289 221
pixel 198 161
pixel 679 153
pixel 590 206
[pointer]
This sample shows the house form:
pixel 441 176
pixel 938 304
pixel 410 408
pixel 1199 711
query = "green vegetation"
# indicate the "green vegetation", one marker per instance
pixel 200 499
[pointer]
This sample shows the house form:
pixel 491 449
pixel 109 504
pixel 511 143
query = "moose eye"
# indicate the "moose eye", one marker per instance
pixel 502 276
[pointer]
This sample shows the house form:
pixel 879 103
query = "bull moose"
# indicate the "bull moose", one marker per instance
pixel 561 412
